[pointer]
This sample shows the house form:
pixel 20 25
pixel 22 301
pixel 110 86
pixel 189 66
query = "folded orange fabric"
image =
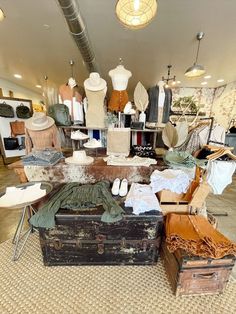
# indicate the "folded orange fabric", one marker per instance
pixel 195 235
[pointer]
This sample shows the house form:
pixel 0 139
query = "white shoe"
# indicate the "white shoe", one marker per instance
pixel 93 143
pixel 115 187
pixel 77 135
pixel 123 187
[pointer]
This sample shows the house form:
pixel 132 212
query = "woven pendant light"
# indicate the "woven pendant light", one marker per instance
pixel 135 14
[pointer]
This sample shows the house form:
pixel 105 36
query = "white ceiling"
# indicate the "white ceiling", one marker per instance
pixel 32 50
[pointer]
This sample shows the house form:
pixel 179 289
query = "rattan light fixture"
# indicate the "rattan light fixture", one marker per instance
pixel 136 14
pixel 2 15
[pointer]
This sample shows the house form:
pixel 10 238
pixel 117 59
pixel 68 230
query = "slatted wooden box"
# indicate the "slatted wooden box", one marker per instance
pixel 194 275
pixel 82 239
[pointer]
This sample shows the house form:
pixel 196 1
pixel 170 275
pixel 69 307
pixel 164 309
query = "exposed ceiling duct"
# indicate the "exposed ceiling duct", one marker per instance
pixel 78 30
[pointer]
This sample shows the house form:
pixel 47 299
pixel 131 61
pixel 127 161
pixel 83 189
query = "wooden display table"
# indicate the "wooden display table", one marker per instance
pixel 95 172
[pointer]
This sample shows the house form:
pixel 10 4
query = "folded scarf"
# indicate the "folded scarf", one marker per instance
pixel 196 236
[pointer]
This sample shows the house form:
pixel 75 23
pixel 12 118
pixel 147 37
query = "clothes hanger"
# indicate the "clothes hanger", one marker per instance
pixel 221 152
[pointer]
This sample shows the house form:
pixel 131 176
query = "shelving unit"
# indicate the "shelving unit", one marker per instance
pixel 78 127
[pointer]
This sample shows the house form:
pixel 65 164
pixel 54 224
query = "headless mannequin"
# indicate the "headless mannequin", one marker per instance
pixel 70 96
pixel 95 90
pixel 160 99
pixel 119 98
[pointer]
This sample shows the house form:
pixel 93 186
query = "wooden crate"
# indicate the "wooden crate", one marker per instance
pixel 194 275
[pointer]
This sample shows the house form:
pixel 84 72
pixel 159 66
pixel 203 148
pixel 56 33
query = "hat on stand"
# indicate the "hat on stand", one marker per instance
pixel 79 158
pixel 39 121
pixel 95 82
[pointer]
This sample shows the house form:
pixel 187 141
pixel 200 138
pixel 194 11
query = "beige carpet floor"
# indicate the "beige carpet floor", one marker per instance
pixel 27 286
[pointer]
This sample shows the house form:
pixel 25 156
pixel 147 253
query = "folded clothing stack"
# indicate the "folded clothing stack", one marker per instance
pixel 196 236
pixel 174 180
pixel 142 199
pixel 46 157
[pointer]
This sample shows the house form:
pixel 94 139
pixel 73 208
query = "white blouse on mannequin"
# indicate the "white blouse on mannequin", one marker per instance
pixel 161 96
pixel 120 77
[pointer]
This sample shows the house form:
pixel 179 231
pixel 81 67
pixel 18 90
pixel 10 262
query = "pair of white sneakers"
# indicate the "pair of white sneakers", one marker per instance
pixel 119 187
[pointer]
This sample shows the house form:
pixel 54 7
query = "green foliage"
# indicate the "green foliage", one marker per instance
pixel 111 118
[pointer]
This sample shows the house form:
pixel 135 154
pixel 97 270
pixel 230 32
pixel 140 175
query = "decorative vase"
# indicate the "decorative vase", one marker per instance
pixel 142 117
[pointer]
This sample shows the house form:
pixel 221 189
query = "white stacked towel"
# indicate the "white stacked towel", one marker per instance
pixel 142 199
pixel 170 179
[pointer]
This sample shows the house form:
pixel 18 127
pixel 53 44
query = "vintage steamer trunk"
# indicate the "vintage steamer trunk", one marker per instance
pixel 82 239
pixel 191 275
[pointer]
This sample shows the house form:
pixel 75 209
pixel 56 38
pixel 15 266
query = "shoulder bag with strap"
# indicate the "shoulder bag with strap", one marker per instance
pixel 6 110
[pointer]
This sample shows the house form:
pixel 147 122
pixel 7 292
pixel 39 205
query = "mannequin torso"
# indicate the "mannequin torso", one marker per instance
pixel 120 77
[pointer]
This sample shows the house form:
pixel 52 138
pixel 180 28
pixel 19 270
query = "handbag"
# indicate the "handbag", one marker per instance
pixel 137 125
pixel 118 141
pixel 60 114
pixel 11 143
pixel 17 128
pixel 6 110
pixel 143 151
pixel 23 112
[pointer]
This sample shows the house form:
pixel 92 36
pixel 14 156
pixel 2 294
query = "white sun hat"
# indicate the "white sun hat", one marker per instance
pixel 79 158
pixel 39 121
pixel 95 82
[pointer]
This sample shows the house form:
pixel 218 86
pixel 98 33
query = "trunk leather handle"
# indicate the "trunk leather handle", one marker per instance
pixel 206 276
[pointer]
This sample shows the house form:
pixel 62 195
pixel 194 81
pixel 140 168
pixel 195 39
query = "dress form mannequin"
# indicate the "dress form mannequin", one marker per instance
pixel 160 99
pixel 69 95
pixel 95 90
pixel 119 98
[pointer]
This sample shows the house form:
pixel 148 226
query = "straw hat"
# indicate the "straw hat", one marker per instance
pixel 39 121
pixel 95 82
pixel 79 158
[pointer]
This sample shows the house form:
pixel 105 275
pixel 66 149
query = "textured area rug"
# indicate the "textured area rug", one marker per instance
pixel 27 286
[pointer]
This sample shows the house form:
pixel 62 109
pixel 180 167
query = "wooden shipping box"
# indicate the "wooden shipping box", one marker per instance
pixel 194 275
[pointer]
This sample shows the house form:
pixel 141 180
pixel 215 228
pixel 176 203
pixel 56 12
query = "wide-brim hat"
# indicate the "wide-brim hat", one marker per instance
pixel 79 158
pixel 95 82
pixel 39 121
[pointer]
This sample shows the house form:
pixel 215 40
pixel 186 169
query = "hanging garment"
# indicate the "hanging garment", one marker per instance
pixel 217 135
pixel 192 142
pixel 39 140
pixel 118 100
pixel 75 196
pixel 153 107
pixel 142 199
pixel 176 181
pixel 195 235
pixel 219 174
pixel 71 97
pixel 95 114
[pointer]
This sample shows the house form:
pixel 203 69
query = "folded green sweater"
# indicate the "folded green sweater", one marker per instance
pixel 75 196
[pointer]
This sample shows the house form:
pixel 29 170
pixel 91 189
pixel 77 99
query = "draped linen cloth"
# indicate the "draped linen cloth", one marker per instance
pixel 196 236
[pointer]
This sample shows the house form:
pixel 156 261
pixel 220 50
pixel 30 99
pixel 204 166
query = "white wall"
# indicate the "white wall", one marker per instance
pixel 19 91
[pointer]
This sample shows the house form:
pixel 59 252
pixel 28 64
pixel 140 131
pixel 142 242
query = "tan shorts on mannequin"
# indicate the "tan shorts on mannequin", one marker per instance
pixel 118 100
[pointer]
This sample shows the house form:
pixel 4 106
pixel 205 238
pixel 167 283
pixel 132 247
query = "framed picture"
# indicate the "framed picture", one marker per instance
pixel 12 137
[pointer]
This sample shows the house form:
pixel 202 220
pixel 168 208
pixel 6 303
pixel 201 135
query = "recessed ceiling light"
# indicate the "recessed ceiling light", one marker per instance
pixel 204 83
pixel 38 86
pixel 46 26
pixel 207 77
pixel 18 76
pixel 2 15
pixel 220 80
